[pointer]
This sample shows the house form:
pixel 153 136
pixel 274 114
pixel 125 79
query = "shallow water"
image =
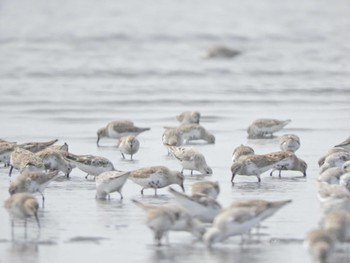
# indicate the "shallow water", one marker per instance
pixel 69 67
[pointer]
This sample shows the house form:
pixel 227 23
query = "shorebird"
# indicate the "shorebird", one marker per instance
pixel 331 175
pixel 208 188
pixel 261 128
pixel 264 208
pixel 90 164
pixel 32 182
pixel 128 145
pixel 320 245
pixel 5 152
pixel 156 177
pixel 330 152
pixel 336 159
pixel 185 133
pixel 190 159
pixel 163 219
pixel 331 192
pixel 110 182
pixel 22 206
pixel 54 160
pixel 64 147
pixel 241 150
pixel 255 164
pixel 289 142
pixel 337 224
pixel 118 129
pixel 345 144
pixel 188 117
pixel 6 148
pixel 22 159
pixel 295 164
pixel 200 206
pixel 229 222
pixel 36 146
pixel 239 218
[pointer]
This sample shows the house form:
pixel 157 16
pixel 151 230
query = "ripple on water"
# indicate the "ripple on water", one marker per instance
pixel 86 239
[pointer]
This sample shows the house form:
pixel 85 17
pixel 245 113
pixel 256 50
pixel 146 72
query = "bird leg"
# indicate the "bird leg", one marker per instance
pixel 11 168
pixel 43 198
pixel 37 219
pixel 233 176
pixel 25 228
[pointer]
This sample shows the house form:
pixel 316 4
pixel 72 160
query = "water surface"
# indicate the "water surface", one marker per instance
pixel 67 68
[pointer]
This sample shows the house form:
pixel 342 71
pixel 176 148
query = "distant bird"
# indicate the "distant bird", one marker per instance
pixel 188 117
pixel 118 129
pixel 90 164
pixel 110 182
pixel 32 182
pixel 156 177
pixel 163 219
pixel 320 245
pixel 128 145
pixel 22 206
pixel 208 188
pixel 241 151
pixel 190 159
pixel 345 144
pixel 262 128
pixel 200 206
pixel 222 52
pixel 289 142
pixel 185 133
pixel 255 164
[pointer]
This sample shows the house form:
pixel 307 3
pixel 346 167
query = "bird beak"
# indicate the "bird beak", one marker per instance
pixel 304 174
pixel 98 139
pixel 233 176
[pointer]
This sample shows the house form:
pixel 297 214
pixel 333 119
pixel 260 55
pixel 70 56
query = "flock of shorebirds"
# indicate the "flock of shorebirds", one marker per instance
pixel 334 197
pixel 199 213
